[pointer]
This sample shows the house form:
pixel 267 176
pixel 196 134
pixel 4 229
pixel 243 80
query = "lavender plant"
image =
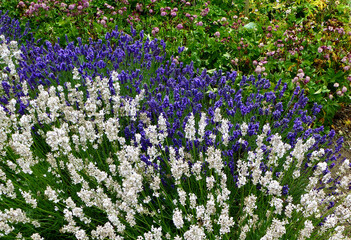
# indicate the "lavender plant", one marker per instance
pixel 187 156
pixel 10 28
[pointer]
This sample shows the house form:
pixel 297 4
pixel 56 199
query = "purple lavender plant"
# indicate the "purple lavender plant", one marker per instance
pixel 11 29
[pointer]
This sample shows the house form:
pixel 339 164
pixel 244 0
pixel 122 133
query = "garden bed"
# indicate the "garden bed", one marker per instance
pixel 213 123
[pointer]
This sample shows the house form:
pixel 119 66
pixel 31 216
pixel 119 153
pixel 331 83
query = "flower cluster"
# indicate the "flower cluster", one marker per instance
pixel 53 65
pixel 111 140
pixel 9 57
pixel 300 77
pixel 11 30
pixel 35 8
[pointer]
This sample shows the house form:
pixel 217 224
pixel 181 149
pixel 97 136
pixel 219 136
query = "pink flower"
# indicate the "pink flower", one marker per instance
pixel 339 93
pixel 235 61
pixel 180 26
pixel 330 96
pixel 258 70
pixel 139 7
pixel 173 14
pixel 346 68
pixel 71 7
pixel 217 34
pixel 254 62
pixel 300 75
pixel 344 89
pixel 270 53
pixel 336 85
pixel 200 23
pixel 163 14
pixel 205 12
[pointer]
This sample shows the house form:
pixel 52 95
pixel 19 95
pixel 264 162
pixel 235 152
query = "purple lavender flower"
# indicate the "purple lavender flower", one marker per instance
pixel 11 29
